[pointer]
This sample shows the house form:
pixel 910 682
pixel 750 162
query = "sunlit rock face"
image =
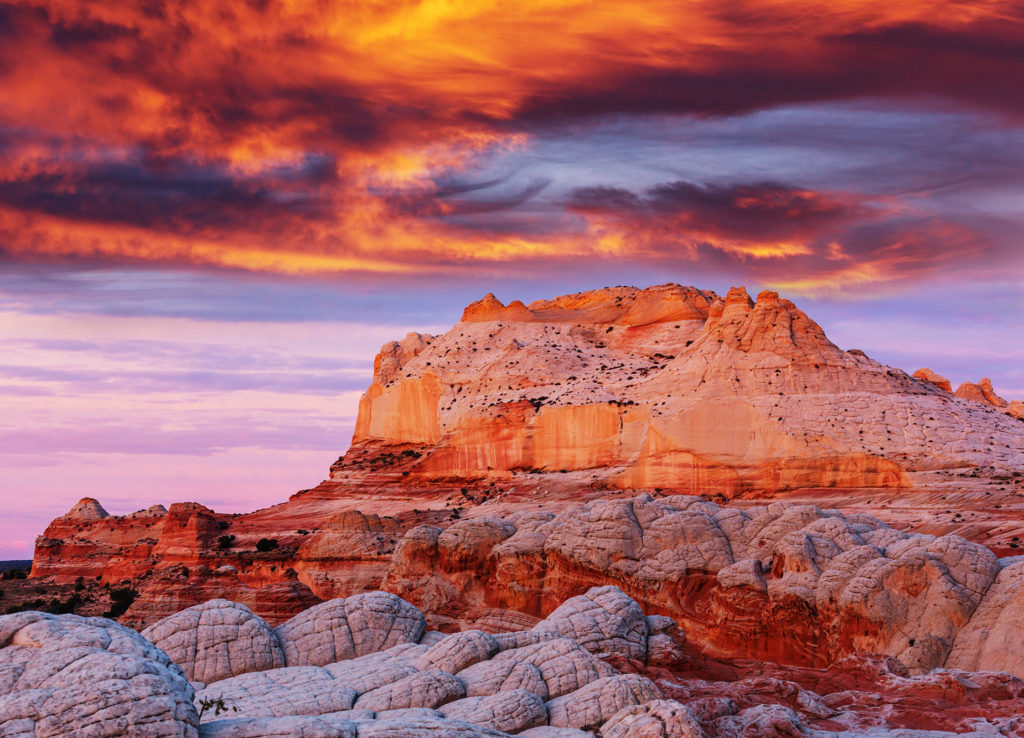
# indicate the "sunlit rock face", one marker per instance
pixel 671 387
pixel 786 583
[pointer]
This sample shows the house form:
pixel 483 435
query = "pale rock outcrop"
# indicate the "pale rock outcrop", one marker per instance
pixel 216 640
pixel 374 670
pixel 654 719
pixel 590 706
pixel 87 509
pixel 299 726
pixel 346 628
pixel 379 620
pixel 490 677
pixel 512 710
pixel 457 651
pixel 425 727
pixel 280 692
pixel 992 639
pixel 604 620
pixel 63 675
pixel 422 689
pixel 564 665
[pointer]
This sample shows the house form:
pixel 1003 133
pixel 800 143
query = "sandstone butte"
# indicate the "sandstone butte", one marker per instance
pixel 720 461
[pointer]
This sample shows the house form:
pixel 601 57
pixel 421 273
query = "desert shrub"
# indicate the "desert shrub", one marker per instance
pixel 217 705
pixel 61 607
pixel 266 544
pixel 120 600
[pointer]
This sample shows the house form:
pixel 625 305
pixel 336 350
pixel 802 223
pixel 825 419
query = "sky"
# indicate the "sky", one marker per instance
pixel 212 214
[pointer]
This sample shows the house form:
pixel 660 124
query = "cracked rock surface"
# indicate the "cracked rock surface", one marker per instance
pixel 586 670
pixel 65 675
pixel 217 639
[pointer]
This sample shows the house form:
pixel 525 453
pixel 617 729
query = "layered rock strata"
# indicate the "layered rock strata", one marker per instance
pixel 787 583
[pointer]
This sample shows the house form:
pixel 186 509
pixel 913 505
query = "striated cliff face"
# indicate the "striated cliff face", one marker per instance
pixel 675 388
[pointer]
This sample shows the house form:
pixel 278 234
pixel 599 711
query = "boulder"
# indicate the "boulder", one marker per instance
pixel 65 675
pixel 216 640
pixel 590 706
pixel 511 710
pixel 422 689
pixel 342 629
pixel 654 719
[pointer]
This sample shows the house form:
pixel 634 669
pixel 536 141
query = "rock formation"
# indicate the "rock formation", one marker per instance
pixel 981 392
pixel 937 379
pixel 512 477
pixel 65 675
pixel 786 583
pixel 667 388
pixel 637 387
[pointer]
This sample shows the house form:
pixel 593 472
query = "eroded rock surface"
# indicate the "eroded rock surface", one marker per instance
pixel 521 408
pixel 634 386
pixel 790 583
pixel 344 629
pixel 217 639
pixel 64 675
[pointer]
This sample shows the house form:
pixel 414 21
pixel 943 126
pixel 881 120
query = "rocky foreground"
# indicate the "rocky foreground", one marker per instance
pixel 367 666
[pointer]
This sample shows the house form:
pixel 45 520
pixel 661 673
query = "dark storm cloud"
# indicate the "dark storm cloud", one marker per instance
pixel 170 194
pixel 758 210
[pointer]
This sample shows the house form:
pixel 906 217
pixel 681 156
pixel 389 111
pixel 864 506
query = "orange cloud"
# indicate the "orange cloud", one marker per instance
pixel 302 138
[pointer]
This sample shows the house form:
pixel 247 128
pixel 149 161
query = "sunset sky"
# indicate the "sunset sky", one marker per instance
pixel 212 214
